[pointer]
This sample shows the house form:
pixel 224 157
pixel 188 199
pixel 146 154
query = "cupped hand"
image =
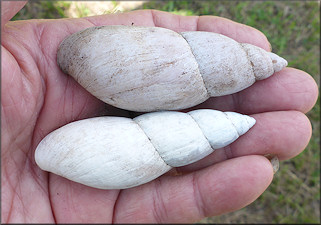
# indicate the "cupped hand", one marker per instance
pixel 37 97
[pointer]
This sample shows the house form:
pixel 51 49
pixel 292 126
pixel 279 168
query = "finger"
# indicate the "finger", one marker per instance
pixel 222 188
pixel 285 134
pixel 76 203
pixel 289 89
pixel 9 9
pixel 237 31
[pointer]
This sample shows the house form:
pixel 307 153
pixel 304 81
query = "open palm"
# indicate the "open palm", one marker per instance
pixel 37 97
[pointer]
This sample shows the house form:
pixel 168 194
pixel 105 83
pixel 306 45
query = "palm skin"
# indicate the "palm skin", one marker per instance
pixel 38 98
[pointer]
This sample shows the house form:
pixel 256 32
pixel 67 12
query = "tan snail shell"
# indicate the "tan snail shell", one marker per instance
pixel 153 68
pixel 117 152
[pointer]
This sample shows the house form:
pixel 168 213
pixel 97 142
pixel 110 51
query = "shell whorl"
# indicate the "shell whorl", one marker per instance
pixel 118 153
pixel 152 68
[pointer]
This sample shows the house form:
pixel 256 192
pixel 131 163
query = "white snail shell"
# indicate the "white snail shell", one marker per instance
pixel 117 152
pixel 153 68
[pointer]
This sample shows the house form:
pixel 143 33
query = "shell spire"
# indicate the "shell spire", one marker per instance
pixel 278 62
pixel 227 66
pixel 222 128
pixel 117 152
pixel 264 63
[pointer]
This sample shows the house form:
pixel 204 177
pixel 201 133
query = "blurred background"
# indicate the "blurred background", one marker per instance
pixel 293 29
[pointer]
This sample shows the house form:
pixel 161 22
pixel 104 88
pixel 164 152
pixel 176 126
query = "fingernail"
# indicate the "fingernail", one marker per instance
pixel 274 161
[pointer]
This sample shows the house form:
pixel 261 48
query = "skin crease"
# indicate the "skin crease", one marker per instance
pixel 38 98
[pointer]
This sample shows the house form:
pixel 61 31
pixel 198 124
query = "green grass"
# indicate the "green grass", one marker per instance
pixel 293 29
pixel 42 10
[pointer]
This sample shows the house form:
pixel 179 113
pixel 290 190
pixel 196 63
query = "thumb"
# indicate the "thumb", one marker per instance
pixel 9 9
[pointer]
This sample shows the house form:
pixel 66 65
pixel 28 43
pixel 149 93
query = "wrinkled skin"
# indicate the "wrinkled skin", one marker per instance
pixel 37 98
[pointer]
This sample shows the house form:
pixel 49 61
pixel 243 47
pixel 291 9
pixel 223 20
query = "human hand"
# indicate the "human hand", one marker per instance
pixel 38 98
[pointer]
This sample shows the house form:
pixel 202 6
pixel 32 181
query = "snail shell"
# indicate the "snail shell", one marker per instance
pixel 153 68
pixel 118 153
